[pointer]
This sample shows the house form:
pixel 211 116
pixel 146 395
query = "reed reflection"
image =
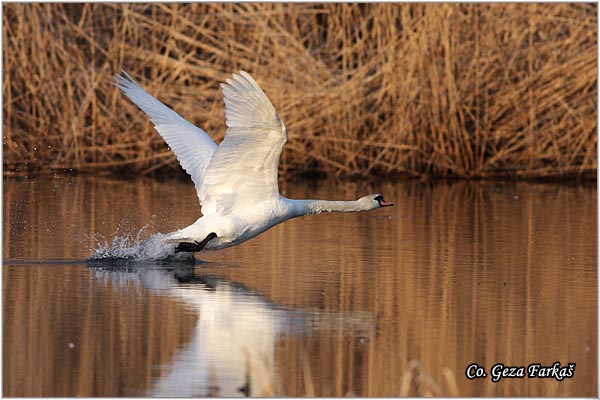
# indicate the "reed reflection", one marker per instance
pixel 462 272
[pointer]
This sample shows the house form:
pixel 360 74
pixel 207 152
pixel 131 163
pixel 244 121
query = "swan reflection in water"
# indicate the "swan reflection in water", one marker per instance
pixel 232 350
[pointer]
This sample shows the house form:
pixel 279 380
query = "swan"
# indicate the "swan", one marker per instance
pixel 236 181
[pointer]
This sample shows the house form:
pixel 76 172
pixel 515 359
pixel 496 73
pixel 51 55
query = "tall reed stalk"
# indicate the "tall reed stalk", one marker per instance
pixel 467 90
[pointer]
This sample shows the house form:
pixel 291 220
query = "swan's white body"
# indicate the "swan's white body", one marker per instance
pixel 236 181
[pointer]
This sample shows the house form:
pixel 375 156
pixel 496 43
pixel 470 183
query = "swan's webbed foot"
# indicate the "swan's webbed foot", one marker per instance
pixel 187 247
pixel 194 246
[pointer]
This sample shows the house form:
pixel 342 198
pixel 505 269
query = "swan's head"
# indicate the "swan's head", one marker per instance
pixel 373 201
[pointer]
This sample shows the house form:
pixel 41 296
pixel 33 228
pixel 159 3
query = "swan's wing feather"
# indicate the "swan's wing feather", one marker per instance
pixel 191 145
pixel 243 170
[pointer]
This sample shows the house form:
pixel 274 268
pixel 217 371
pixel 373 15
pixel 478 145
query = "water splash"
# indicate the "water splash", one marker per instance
pixel 133 247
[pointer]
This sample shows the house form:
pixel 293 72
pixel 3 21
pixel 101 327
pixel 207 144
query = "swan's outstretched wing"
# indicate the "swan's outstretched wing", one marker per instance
pixel 243 170
pixel 191 145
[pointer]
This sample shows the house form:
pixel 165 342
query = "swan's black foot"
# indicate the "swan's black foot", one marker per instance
pixel 194 246
pixel 187 247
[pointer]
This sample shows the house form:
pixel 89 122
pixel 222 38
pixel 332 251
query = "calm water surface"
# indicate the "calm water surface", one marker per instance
pixel 394 302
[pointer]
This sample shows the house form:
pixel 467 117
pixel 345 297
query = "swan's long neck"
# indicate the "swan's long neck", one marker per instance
pixel 305 207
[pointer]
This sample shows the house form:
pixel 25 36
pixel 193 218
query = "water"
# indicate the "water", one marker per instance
pixel 398 301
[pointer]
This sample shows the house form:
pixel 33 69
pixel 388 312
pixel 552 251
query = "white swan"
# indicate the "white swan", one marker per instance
pixel 236 181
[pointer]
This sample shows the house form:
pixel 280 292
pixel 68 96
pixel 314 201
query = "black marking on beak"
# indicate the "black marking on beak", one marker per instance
pixel 382 202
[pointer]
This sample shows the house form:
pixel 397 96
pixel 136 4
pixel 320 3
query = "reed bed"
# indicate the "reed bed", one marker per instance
pixel 466 90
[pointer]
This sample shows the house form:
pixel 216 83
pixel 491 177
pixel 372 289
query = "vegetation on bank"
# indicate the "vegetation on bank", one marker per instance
pixel 466 90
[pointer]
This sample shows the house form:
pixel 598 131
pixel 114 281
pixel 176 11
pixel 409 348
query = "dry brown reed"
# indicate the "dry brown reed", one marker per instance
pixel 469 90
